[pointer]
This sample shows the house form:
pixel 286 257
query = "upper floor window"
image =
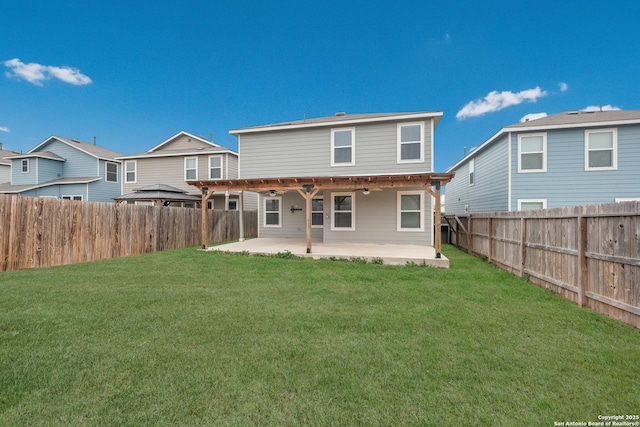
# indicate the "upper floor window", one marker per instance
pixel 190 168
pixel 342 147
pixel 130 167
pixel 532 152
pixel 215 167
pixel 410 142
pixel 410 211
pixel 25 165
pixel 601 149
pixel 112 172
pixel 472 172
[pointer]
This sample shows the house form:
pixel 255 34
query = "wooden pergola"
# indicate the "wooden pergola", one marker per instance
pixel 308 187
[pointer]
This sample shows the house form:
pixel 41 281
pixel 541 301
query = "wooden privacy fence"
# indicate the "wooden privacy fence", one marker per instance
pixel 586 254
pixel 43 232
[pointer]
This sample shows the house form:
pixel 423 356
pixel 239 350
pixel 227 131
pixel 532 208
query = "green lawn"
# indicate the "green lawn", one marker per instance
pixel 193 338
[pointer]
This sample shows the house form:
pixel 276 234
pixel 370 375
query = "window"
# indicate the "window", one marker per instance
pixel 112 172
pixel 130 167
pixel 532 153
pixel 342 147
pixel 71 197
pixel 410 143
pixel 342 211
pixel 188 204
pixel 25 165
pixel 233 205
pixel 601 148
pixel 531 204
pixel 210 204
pixel 317 213
pixel 410 211
pixel 472 172
pixel 215 167
pixel 190 168
pixel 272 211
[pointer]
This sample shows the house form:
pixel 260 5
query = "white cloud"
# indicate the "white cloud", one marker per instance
pixel 533 116
pixel 4 129
pixel 600 108
pixel 563 87
pixel 496 101
pixel 37 73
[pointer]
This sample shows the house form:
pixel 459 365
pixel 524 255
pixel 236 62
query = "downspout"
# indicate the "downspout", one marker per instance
pixel 509 172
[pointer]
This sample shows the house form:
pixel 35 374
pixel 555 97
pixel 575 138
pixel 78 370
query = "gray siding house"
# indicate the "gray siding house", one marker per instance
pixel 5 165
pixel 366 149
pixel 168 166
pixel 66 169
pixel 567 159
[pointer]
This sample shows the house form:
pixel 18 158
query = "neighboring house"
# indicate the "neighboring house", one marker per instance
pixel 170 164
pixel 568 159
pixel 67 169
pixel 5 165
pixel 355 178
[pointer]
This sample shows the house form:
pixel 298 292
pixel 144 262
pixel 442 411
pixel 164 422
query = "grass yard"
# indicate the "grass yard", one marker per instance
pixel 191 338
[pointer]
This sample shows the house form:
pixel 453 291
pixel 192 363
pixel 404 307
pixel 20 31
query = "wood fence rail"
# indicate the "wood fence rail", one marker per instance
pixel 587 254
pixel 44 232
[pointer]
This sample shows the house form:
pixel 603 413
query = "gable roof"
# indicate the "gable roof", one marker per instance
pixel 183 133
pixel 90 149
pixel 6 153
pixel 8 188
pixel 210 148
pixel 41 154
pixel 340 119
pixel 565 120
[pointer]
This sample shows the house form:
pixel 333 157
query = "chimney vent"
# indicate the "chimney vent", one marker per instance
pixel 341 113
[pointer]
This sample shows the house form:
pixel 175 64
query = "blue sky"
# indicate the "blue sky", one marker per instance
pixel 134 73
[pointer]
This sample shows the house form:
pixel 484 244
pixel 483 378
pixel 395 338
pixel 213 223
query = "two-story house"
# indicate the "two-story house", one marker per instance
pixel 362 178
pixel 567 159
pixel 159 175
pixel 66 169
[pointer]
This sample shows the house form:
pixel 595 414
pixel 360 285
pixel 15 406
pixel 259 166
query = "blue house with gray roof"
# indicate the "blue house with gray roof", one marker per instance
pixel 66 169
pixel 568 159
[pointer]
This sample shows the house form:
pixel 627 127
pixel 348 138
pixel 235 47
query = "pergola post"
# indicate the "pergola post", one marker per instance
pixel 206 195
pixel 308 195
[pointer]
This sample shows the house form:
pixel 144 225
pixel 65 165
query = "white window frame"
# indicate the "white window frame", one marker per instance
pixel 521 201
pixel 216 167
pixel 186 159
pixel 210 203
pixel 72 197
pixel 544 152
pixel 400 143
pixel 353 147
pixel 106 171
pixel 316 212
pixel 400 211
pixel 472 172
pixel 279 212
pixel 134 171
pixel 614 149
pixel 352 211
pixel 235 202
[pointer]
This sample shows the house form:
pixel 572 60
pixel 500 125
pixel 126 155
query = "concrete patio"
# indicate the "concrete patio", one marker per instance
pixel 389 254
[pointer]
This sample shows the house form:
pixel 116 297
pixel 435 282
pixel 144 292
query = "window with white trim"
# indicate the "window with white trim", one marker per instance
pixel 343 147
pixel 273 211
pixel 532 153
pixel 531 204
pixel 317 212
pixel 410 142
pixel 472 172
pixel 601 149
pixel 130 171
pixel 111 172
pixel 25 165
pixel 190 168
pixel 410 210
pixel 215 167
pixel 232 205
pixel 210 204
pixel 71 197
pixel 343 211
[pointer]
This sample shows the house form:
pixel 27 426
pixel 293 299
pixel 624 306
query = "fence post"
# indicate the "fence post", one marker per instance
pixel 582 261
pixel 489 231
pixel 470 235
pixel 523 246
